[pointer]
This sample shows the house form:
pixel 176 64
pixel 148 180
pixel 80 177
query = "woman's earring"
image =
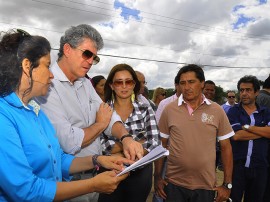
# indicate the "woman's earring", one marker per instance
pixel 112 97
pixel 29 81
pixel 133 96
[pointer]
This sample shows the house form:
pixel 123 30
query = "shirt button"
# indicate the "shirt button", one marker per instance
pixel 54 161
pixel 57 178
pixel 49 146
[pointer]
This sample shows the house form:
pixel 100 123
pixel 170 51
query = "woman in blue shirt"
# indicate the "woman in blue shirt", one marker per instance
pixel 32 163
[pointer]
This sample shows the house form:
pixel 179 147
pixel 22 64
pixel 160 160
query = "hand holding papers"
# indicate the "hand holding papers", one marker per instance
pixel 155 154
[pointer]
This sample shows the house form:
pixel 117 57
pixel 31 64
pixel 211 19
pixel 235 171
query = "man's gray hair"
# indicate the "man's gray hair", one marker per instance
pixel 76 34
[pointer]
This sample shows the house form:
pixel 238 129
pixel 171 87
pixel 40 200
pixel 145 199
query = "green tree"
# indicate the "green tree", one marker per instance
pixel 220 95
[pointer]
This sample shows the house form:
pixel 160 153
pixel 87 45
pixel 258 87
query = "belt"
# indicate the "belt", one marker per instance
pixel 91 171
pixel 78 176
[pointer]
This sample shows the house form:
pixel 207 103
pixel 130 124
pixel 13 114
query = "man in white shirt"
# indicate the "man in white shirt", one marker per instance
pixel 168 100
pixel 230 101
pixel 72 104
pixel 159 111
pixel 142 81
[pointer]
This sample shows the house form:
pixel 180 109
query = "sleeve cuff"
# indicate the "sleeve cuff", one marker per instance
pixel 115 118
pixel 163 135
pixel 224 137
pixel 76 145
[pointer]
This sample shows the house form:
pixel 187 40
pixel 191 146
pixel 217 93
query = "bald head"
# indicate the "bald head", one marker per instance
pixel 141 79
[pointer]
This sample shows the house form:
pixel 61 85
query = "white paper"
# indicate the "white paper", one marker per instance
pixel 153 155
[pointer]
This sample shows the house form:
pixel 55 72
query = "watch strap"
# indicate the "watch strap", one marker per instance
pixel 96 164
pixel 124 136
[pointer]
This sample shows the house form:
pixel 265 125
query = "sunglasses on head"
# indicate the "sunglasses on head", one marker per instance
pixel 231 96
pixel 22 32
pixel 127 83
pixel 87 54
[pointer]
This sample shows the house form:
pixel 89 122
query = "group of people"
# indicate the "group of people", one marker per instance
pixel 65 136
pixel 52 121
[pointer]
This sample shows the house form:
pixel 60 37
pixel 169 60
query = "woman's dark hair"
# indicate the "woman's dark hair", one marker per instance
pixel 108 92
pixel 15 46
pixel 96 79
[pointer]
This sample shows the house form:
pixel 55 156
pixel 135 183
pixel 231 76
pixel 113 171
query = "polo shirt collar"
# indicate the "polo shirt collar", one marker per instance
pixel 181 100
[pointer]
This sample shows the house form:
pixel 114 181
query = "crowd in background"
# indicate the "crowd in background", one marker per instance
pixel 65 136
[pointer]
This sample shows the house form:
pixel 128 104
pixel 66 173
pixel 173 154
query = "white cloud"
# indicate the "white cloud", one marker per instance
pixel 194 31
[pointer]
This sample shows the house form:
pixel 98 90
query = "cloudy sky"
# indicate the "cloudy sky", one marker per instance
pixel 229 38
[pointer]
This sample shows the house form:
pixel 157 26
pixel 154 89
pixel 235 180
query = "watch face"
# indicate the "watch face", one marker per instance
pixel 246 126
pixel 227 185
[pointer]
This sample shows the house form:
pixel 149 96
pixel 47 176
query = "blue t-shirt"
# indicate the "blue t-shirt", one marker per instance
pixel 31 158
pixel 254 152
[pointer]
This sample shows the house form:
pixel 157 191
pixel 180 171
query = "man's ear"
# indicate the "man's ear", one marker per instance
pixel 66 49
pixel 202 84
pixel 26 65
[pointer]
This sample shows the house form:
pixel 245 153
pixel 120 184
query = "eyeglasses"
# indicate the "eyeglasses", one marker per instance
pixel 231 96
pixel 163 94
pixel 127 83
pixel 87 54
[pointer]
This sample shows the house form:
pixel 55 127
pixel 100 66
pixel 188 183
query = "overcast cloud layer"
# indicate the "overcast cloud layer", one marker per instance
pixel 230 38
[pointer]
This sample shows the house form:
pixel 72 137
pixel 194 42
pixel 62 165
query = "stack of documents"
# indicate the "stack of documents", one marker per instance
pixel 155 154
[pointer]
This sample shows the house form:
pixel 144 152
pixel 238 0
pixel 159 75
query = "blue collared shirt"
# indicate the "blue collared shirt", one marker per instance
pixel 31 158
pixel 254 152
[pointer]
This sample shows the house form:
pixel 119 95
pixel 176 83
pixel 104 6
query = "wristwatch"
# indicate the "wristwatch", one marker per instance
pixel 227 185
pixel 246 127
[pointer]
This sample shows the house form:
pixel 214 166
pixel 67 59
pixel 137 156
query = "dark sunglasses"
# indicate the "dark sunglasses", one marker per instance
pixel 87 54
pixel 231 96
pixel 163 94
pixel 127 83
